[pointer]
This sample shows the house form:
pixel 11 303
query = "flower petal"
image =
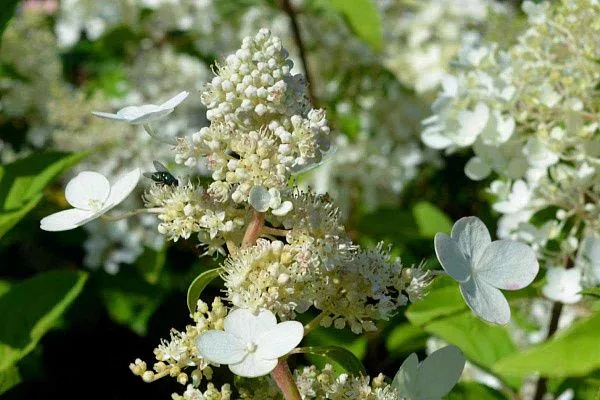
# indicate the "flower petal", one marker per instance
pixel 259 198
pixel 439 372
pixel 280 340
pixel 220 347
pixel 253 366
pixel 406 378
pixel 107 115
pixel 122 187
pixel 67 219
pixel 175 100
pixel 507 264
pixel 486 301
pixel 476 169
pixel 87 188
pixel 143 114
pixel 472 236
pixel 247 326
pixel 451 258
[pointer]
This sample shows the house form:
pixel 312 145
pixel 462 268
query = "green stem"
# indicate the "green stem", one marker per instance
pixel 285 381
pixel 274 231
pixel 314 323
pixel 115 217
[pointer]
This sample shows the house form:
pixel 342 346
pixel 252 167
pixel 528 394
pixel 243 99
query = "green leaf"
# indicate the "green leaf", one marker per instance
pixel 570 353
pixel 151 263
pixel 198 285
pixel 340 355
pixel 595 291
pixel 473 391
pixel 130 299
pixel 30 308
pixel 405 338
pixel 483 344
pixel 431 219
pixel 22 183
pixel 362 17
pixel 6 12
pixel 9 378
pixel 443 299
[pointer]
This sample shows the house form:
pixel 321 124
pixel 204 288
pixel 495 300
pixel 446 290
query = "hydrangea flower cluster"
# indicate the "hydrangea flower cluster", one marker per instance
pixel 425 36
pixel 262 126
pixel 530 115
pixel 287 251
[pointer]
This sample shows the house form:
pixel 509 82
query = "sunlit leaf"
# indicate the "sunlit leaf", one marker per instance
pixel 567 354
pixel 430 219
pixel 30 308
pixel 22 183
pixel 362 17
pixel 9 378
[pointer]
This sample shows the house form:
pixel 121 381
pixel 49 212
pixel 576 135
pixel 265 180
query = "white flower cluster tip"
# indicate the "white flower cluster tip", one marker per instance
pixel 262 127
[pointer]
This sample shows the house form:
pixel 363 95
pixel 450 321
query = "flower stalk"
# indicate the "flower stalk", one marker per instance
pixel 254 229
pixel 285 381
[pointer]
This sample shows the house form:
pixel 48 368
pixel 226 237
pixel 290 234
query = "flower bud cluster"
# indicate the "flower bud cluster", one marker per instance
pixel 262 126
pixel 188 209
pixel 177 356
pixel 315 383
pixel 319 266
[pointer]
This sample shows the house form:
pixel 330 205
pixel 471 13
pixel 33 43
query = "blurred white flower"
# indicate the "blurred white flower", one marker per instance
pixel 517 199
pixel 482 267
pixel 91 195
pixel 563 285
pixel 250 344
pixel 143 114
pixel 538 155
pixel 433 378
pixel 588 259
pixel 477 169
pixel 536 13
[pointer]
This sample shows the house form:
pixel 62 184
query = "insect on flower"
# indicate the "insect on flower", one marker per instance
pixel 162 176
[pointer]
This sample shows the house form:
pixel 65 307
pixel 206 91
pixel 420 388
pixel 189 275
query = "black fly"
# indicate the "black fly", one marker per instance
pixel 162 176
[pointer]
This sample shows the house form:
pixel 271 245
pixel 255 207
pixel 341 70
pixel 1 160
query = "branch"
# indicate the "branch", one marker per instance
pixel 291 13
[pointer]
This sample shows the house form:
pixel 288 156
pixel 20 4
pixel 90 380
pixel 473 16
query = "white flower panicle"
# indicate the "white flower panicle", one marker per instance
pixel 319 266
pixel 287 250
pixel 262 127
pixel 426 35
pixel 530 115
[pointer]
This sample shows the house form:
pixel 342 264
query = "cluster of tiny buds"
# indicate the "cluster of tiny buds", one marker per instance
pixel 262 126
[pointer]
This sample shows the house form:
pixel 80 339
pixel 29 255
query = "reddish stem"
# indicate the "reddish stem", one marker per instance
pixel 254 229
pixel 285 381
